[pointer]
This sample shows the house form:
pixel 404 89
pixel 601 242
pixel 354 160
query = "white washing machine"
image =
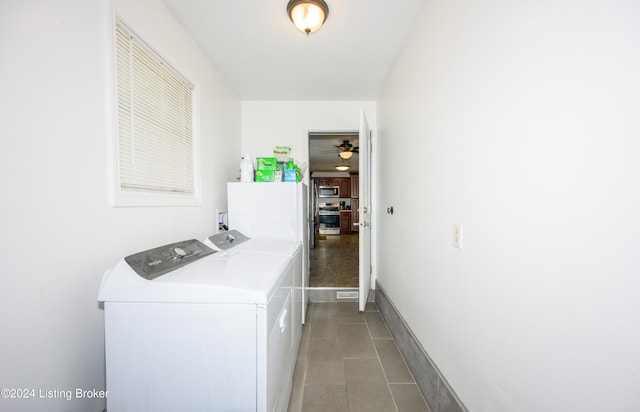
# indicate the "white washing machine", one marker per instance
pixel 191 329
pixel 233 241
pixel 237 241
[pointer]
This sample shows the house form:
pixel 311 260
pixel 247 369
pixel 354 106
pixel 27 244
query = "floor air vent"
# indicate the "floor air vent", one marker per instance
pixel 347 295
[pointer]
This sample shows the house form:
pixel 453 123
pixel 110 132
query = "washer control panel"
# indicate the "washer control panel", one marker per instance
pixel 227 240
pixel 152 263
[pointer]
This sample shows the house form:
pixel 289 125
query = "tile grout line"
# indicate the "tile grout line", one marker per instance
pixel 405 364
pixel 393 398
pixel 305 353
pixel 308 322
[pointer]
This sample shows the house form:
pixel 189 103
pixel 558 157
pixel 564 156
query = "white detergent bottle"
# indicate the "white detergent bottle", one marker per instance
pixel 246 169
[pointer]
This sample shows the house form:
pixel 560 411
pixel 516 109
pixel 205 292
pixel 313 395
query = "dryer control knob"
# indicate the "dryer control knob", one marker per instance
pixel 178 253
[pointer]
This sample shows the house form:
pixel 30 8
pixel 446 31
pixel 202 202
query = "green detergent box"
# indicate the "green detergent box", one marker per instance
pixel 266 171
pixel 267 163
pixel 265 175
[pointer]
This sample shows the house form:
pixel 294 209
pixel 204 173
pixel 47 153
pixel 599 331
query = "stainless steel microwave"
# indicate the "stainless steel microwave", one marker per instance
pixel 328 191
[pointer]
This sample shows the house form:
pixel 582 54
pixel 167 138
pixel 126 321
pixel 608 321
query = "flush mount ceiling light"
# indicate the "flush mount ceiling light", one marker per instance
pixel 342 168
pixel 308 15
pixel 345 155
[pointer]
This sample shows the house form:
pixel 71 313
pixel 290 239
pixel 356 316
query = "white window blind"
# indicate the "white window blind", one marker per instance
pixel 154 120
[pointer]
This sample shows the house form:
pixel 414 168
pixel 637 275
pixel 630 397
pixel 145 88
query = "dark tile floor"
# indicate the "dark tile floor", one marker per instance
pixel 348 362
pixel 334 261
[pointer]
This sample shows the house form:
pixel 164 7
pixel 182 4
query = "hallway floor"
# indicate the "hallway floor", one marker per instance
pixel 334 261
pixel 348 362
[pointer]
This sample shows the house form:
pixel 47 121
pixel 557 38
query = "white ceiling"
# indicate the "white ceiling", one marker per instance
pixel 263 57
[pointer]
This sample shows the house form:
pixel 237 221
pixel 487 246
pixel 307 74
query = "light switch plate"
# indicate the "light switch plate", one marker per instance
pixel 457 235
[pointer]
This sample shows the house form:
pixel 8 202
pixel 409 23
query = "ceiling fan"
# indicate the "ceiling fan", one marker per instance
pixel 346 149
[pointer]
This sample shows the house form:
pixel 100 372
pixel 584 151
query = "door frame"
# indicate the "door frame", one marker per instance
pixel 374 191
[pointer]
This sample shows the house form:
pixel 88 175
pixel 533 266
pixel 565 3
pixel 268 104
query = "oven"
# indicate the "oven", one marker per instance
pixel 329 218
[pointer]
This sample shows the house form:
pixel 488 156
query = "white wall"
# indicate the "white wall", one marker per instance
pixel 520 121
pixel 267 124
pixel 58 232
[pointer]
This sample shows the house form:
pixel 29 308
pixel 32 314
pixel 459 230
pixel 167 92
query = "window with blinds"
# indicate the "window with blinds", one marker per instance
pixel 155 122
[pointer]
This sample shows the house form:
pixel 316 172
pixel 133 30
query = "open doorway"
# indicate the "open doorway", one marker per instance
pixel 333 187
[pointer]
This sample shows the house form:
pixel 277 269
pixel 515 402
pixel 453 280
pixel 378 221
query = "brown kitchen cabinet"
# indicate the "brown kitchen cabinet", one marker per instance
pixel 354 215
pixel 345 186
pixel 323 181
pixel 354 185
pixel 345 222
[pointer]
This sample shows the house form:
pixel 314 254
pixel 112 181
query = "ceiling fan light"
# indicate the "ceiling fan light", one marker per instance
pixel 308 15
pixel 342 168
pixel 345 155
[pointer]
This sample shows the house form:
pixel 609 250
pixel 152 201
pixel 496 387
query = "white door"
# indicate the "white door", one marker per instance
pixel 364 210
